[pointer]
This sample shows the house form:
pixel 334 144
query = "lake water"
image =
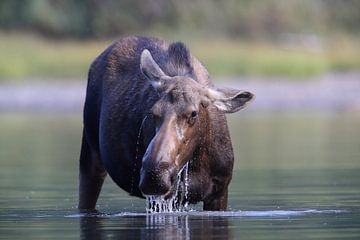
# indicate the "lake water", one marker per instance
pixel 297 176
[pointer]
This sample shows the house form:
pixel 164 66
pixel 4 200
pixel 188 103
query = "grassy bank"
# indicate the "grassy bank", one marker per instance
pixel 23 57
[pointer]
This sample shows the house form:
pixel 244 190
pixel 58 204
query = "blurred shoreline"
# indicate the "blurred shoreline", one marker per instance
pixel 331 92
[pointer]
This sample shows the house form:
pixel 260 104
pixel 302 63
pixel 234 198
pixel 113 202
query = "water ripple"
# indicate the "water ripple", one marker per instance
pixel 271 213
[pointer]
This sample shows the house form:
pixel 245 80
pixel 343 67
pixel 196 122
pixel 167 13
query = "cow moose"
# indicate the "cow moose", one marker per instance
pixel 150 109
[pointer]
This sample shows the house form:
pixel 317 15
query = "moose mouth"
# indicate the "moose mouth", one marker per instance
pixel 176 198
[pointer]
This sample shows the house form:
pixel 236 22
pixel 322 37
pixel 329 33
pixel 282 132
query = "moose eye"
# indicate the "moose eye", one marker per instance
pixel 192 117
pixel 193 114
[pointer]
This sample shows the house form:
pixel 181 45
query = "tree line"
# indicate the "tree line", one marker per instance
pixel 234 18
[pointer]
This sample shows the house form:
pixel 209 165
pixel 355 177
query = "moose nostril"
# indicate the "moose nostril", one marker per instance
pixel 164 165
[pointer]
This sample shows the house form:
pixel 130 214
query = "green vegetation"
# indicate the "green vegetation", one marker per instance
pixel 27 56
pixel 295 38
pixel 231 58
pixel 232 18
pixel 234 58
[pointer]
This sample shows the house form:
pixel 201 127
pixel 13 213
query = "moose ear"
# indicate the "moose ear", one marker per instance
pixel 230 100
pixel 151 69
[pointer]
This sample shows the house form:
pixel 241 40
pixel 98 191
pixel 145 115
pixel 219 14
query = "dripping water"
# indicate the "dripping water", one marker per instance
pixel 158 204
pixel 186 183
pixel 137 154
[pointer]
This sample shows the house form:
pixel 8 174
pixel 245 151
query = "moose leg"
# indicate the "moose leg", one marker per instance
pixel 92 176
pixel 217 204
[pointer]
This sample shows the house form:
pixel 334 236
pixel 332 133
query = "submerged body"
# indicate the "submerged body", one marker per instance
pixel 150 109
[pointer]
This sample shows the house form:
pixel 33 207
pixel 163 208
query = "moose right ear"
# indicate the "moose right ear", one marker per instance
pixel 151 69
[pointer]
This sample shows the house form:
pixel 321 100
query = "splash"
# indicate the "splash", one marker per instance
pixel 178 202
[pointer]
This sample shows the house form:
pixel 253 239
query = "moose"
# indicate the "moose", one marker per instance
pixel 150 109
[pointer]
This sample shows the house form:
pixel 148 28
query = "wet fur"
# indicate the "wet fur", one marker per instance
pixel 119 97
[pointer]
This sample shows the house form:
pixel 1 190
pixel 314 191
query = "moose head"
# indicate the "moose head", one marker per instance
pixel 180 116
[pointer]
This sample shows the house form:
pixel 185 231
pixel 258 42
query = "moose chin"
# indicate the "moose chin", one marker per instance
pixel 151 109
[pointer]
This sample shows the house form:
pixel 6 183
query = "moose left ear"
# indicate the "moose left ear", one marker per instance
pixel 151 69
pixel 230 100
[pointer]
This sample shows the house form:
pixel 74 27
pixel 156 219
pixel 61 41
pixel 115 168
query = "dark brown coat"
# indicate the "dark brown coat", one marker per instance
pixel 151 108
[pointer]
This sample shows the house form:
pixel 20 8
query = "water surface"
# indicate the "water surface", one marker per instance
pixel 296 176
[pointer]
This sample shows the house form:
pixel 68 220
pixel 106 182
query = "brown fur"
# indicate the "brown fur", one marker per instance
pixel 162 87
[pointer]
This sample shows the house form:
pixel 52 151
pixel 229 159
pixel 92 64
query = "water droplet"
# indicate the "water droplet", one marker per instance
pixel 136 154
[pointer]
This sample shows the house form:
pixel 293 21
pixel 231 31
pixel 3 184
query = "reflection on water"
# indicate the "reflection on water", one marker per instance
pixel 155 227
pixel 286 165
pixel 215 225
